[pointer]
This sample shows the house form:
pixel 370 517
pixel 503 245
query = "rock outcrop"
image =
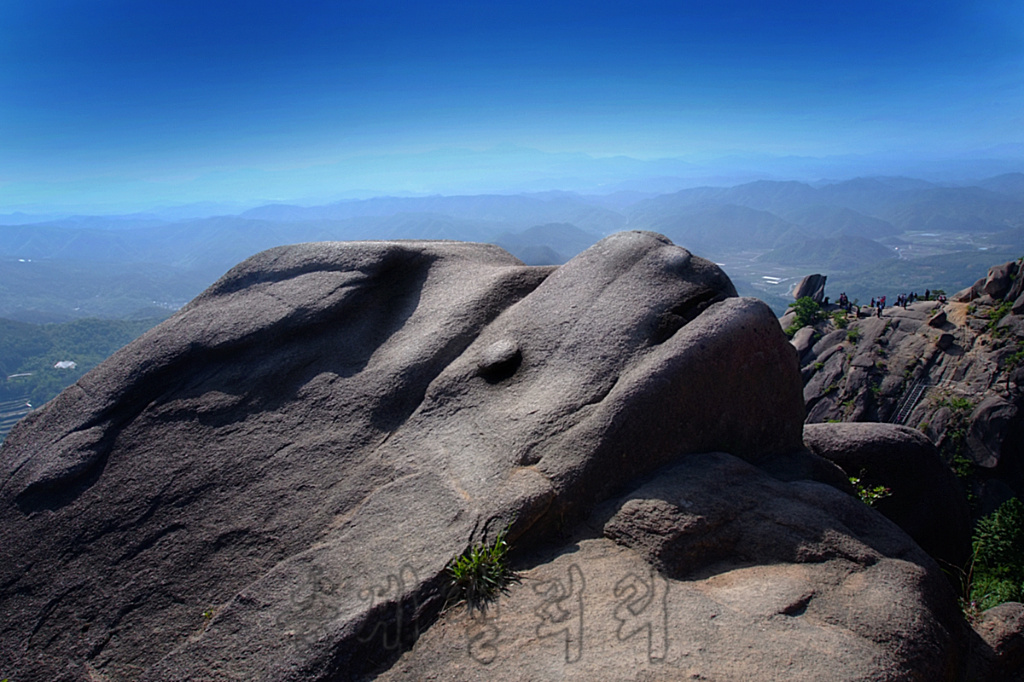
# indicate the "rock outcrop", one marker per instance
pixel 812 286
pixel 709 570
pixel 953 372
pixel 271 484
pixel 1002 630
pixel 924 497
pixel 949 370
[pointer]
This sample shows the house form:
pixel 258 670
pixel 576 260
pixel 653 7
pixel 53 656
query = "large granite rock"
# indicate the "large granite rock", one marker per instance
pixel 711 570
pixel 812 286
pixel 270 485
pixel 925 499
pixel 952 371
pixel 1000 279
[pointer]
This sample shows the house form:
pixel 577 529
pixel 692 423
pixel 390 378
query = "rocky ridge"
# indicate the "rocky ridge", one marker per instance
pixel 271 485
pixel 954 371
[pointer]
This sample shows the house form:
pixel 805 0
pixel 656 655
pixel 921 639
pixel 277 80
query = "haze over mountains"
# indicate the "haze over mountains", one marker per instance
pixel 503 169
pixel 867 234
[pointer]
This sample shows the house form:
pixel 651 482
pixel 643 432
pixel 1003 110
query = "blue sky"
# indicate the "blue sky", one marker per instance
pixel 185 100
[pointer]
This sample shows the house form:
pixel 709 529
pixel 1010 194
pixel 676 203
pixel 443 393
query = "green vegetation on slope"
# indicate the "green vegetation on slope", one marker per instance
pixel 831 254
pixel 807 313
pixel 29 353
pixel 997 574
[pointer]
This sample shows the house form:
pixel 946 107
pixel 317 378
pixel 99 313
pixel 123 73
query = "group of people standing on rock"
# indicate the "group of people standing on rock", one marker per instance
pixel 878 304
pixel 902 300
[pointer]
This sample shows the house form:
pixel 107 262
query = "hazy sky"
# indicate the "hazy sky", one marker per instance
pixel 98 96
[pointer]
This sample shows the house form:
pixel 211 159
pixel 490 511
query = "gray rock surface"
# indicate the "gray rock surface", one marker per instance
pixel 1000 279
pixel 992 422
pixel 813 286
pixel 756 580
pixel 926 500
pixel 802 340
pixel 269 485
pixel 938 320
pixel 952 371
pixel 1002 629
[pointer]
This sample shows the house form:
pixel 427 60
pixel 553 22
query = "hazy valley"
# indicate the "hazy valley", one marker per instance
pixel 870 235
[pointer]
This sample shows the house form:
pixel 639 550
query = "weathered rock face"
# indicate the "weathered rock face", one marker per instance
pixel 755 579
pixel 951 371
pixel 269 485
pixel 813 286
pixel 925 498
pixel 954 373
pixel 1002 630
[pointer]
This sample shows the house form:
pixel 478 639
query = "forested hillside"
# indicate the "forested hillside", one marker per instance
pixel 30 353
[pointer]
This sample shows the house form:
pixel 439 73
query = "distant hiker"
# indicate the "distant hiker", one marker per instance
pixel 927 294
pixel 872 301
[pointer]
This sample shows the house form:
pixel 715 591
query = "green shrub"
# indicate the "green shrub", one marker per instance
pixel 957 404
pixel 998 566
pixel 869 494
pixel 807 313
pixel 998 313
pixel 853 335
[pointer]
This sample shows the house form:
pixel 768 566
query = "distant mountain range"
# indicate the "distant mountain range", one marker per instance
pixel 120 266
pixel 460 172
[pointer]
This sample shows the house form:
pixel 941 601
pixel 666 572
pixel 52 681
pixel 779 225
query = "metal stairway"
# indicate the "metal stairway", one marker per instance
pixel 909 401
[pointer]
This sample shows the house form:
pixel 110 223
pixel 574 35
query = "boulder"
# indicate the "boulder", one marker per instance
pixel 992 422
pixel 1017 288
pixel 829 343
pixel 813 286
pixel 1011 326
pixel 1002 630
pixel 802 340
pixel 270 485
pixel 711 569
pixel 926 499
pixel 1000 279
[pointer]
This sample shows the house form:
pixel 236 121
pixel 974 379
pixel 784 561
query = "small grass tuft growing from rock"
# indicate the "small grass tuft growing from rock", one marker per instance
pixel 481 574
